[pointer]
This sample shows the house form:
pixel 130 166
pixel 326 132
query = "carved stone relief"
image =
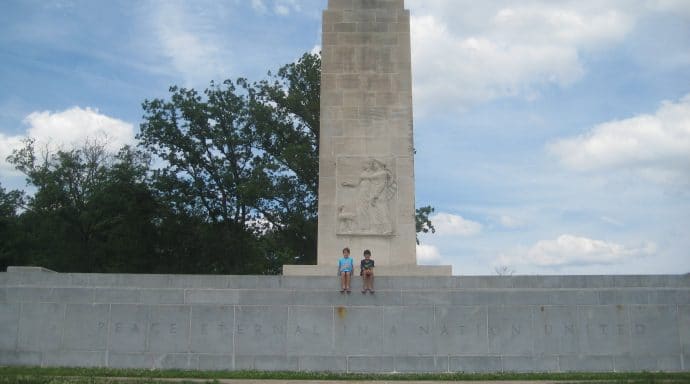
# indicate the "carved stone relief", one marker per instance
pixel 366 196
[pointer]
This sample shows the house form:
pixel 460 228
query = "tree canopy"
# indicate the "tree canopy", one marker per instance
pixel 222 181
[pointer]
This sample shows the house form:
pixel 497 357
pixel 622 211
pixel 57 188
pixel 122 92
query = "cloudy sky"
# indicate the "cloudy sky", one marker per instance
pixel 552 137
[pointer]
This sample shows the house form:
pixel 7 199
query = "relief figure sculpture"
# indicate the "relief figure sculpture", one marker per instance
pixel 375 187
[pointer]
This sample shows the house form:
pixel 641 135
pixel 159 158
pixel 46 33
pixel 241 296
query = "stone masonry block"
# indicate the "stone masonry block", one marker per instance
pixel 212 329
pixel 370 364
pixel 376 27
pixel 408 331
pixel 168 328
pixel 510 330
pixel 572 297
pixel 264 297
pixel 112 295
pixel 684 330
pixel 524 297
pixel 627 363
pixel 331 17
pixel 580 363
pixel 200 281
pixel 323 363
pixel 86 327
pixel 620 296
pixel 40 326
pixel 654 330
pixel 321 297
pixel 670 296
pixel 13 357
pixel 9 323
pixel 128 328
pixel 261 330
pixel 131 360
pixel 475 364
pixel 267 363
pixel 421 364
pixel 212 296
pixel 147 281
pixel 556 330
pixel 50 295
pixel 461 330
pixel 571 331
pixel 36 276
pixel 74 359
pixel 530 364
pixel 254 282
pixel 605 329
pixel 215 362
pixel 435 297
pixel 162 296
pixel 310 283
pixel 175 361
pixel 310 331
pixel 358 330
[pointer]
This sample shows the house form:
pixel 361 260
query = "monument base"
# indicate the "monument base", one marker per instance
pixel 388 270
pixel 295 323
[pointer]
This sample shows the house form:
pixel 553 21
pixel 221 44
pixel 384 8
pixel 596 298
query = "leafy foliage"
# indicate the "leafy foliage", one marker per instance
pixel 422 221
pixel 223 181
pixel 92 211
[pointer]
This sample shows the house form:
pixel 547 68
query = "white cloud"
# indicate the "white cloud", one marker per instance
pixel 285 7
pixel 492 50
pixel 259 6
pixel 316 50
pixel 281 9
pixel 657 145
pixel 71 127
pixel 449 224
pixel 569 250
pixel 679 7
pixel 7 145
pixel 510 222
pixel 189 39
pixel 428 255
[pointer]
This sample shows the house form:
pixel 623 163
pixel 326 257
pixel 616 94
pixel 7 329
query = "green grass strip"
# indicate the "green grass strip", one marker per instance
pixel 32 375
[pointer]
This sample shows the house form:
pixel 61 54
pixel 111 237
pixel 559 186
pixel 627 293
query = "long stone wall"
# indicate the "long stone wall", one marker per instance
pixel 427 324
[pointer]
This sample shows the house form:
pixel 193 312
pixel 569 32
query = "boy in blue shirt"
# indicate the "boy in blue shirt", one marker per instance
pixel 345 268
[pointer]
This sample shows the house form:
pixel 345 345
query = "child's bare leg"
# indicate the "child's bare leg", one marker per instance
pixel 347 280
pixel 370 281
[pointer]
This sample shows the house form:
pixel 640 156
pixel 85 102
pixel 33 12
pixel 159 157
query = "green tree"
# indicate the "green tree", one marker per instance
pixel 422 221
pixel 10 204
pixel 242 160
pixel 285 110
pixel 212 175
pixel 92 210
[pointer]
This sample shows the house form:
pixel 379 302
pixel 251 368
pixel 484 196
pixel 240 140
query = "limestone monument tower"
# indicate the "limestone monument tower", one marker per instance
pixel 366 154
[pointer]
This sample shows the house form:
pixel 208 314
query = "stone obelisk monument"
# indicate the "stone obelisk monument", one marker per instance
pixel 366 154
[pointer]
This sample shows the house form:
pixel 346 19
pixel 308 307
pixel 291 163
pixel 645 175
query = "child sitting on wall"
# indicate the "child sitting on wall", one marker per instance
pixel 366 270
pixel 345 268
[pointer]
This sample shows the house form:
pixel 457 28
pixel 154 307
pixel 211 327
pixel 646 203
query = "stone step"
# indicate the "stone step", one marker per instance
pixel 36 276
pixel 332 297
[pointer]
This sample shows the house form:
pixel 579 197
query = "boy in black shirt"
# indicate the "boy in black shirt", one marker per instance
pixel 366 270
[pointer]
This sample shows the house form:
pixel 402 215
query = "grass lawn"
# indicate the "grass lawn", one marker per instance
pixel 33 375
